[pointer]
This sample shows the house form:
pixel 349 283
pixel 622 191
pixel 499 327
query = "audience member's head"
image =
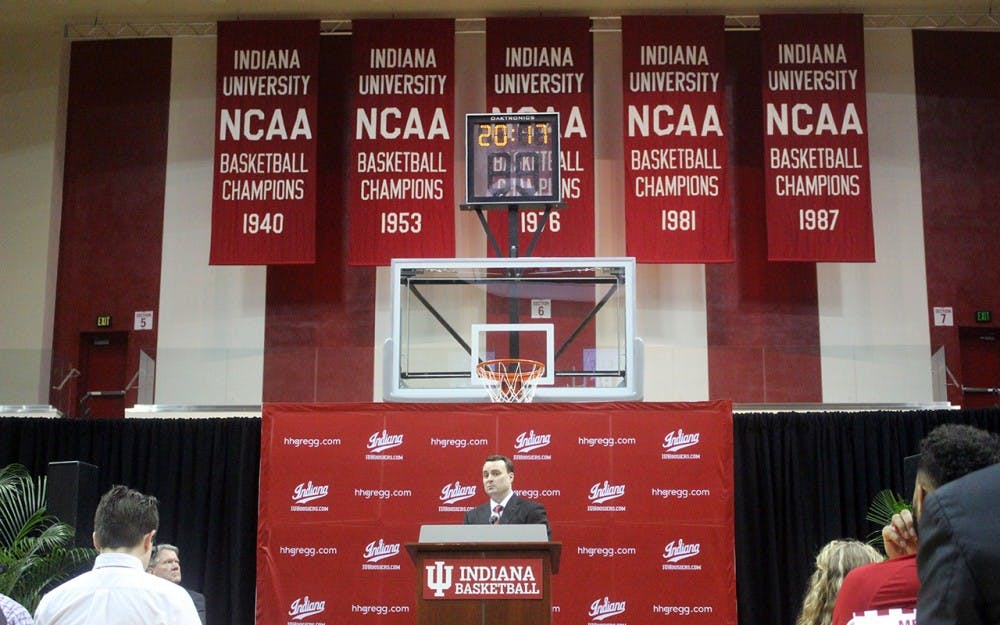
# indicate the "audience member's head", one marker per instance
pixel 834 561
pixel 126 520
pixel 949 452
pixel 165 562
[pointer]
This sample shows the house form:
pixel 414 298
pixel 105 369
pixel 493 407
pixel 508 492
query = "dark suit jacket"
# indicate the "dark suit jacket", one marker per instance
pixel 199 603
pixel 519 511
pixel 959 556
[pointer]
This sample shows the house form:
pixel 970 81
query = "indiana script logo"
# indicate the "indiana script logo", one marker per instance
pixel 380 441
pixel 677 550
pixel 678 440
pixel 452 493
pixel 303 607
pixel 599 493
pixel 605 608
pixel 306 492
pixel 375 551
pixel 529 441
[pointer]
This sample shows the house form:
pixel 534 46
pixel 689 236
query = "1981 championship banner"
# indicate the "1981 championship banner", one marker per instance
pixel 818 190
pixel 676 148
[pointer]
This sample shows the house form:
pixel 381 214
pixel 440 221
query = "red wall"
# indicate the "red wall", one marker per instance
pixel 958 100
pixel 113 189
pixel 763 317
pixel 319 328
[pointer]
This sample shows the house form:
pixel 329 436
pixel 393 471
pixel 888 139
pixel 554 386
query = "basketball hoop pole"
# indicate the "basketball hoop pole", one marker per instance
pixel 513 251
pixel 513 312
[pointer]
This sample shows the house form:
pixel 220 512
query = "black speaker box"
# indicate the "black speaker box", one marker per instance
pixel 72 497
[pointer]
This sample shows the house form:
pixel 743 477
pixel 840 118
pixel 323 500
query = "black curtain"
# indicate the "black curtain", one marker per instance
pixel 203 471
pixel 801 479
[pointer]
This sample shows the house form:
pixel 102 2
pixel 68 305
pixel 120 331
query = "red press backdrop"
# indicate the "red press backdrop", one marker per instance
pixel 639 494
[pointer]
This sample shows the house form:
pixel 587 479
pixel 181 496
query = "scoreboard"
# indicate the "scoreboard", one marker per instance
pixel 512 158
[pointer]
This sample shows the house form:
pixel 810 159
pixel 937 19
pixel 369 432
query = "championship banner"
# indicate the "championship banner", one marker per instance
pixel 264 193
pixel 402 172
pixel 818 188
pixel 646 528
pixel 538 65
pixel 676 149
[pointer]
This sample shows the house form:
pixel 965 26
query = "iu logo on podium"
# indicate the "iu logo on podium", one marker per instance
pixel 482 578
pixel 439 577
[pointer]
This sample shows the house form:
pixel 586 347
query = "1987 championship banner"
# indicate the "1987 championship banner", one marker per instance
pixel 818 189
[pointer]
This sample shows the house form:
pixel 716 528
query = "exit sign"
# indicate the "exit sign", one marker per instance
pixel 984 316
pixel 103 321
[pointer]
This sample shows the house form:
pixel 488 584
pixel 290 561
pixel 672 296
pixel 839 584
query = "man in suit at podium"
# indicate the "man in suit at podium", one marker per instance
pixel 504 507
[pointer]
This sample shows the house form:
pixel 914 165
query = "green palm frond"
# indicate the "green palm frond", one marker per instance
pixel 884 504
pixel 36 551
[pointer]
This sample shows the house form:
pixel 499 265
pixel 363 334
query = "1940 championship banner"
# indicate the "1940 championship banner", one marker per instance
pixel 402 175
pixel 676 148
pixel 818 189
pixel 538 65
pixel 264 194
pixel 640 496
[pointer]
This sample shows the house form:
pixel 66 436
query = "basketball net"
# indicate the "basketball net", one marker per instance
pixel 510 380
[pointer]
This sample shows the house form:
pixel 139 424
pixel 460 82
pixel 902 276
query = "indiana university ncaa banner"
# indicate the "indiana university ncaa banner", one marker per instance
pixel 536 65
pixel 402 174
pixel 676 149
pixel 818 189
pixel 264 194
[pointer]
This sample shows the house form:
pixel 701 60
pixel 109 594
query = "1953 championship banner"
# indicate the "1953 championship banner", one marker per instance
pixel 676 148
pixel 401 183
pixel 264 194
pixel 818 189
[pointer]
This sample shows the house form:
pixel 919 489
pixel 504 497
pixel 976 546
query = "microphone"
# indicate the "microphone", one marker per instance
pixel 494 518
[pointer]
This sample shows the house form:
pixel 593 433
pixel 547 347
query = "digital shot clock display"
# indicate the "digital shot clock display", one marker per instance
pixel 512 158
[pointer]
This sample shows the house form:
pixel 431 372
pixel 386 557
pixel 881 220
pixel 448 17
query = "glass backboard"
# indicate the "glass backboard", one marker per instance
pixel 574 315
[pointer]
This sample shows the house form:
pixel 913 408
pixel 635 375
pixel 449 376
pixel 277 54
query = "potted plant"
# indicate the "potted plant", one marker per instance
pixel 36 549
pixel 885 504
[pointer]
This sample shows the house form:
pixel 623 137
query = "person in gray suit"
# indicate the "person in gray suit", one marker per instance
pixel 165 562
pixel 504 507
pixel 959 555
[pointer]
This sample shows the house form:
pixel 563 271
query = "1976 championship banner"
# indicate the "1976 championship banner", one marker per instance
pixel 264 195
pixel 818 189
pixel 402 173
pixel 676 149
pixel 546 64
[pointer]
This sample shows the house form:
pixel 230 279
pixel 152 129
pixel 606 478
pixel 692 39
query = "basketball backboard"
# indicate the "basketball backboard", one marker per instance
pixel 575 315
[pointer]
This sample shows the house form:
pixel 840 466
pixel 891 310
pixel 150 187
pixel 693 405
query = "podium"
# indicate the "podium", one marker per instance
pixel 484 574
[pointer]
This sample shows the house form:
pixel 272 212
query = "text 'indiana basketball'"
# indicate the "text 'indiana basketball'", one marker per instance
pixel 483 579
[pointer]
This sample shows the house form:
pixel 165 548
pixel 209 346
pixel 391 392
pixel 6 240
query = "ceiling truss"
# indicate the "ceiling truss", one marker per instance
pixel 99 30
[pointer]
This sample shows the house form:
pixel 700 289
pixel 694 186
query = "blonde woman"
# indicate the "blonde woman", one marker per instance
pixel 834 561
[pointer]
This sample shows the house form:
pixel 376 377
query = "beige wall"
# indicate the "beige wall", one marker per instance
pixel 31 131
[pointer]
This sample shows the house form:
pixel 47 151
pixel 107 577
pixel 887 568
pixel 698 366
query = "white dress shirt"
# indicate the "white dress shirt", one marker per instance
pixel 117 591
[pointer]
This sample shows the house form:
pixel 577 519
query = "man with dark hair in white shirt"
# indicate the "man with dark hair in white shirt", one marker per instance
pixel 118 591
